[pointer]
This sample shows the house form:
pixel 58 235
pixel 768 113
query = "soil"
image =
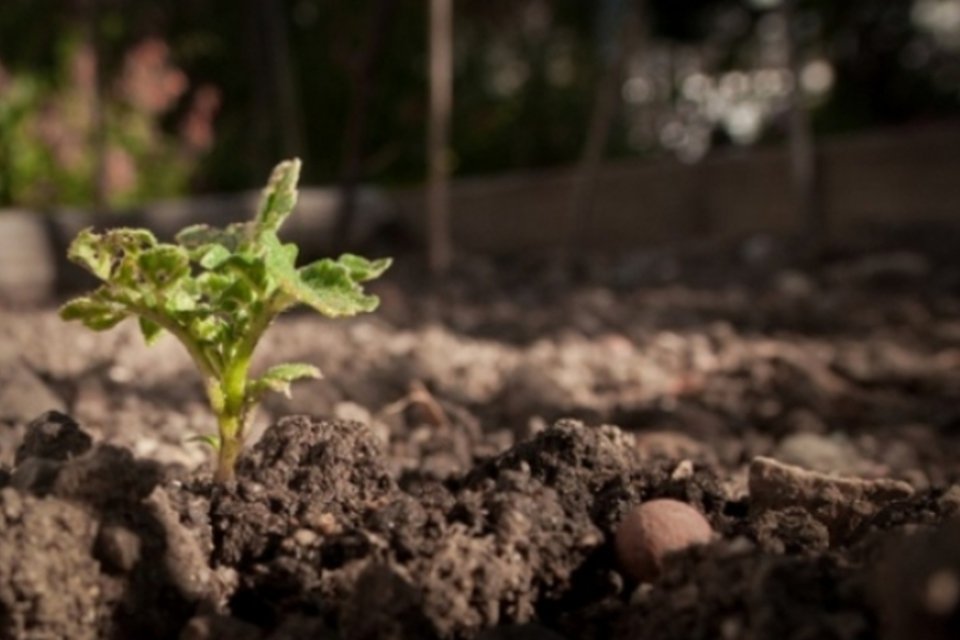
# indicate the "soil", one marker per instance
pixel 462 468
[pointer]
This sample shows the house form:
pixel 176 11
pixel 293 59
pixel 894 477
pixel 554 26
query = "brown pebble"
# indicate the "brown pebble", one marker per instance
pixel 655 529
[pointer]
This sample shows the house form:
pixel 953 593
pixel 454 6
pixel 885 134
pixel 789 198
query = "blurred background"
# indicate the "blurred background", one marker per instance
pixel 498 126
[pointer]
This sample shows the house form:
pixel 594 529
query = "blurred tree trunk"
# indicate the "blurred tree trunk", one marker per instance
pixel 617 40
pixel 362 81
pixel 440 247
pixel 277 89
pixel 804 170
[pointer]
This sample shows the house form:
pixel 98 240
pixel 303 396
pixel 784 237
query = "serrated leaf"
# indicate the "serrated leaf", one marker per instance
pixel 325 285
pixel 212 441
pixel 151 330
pixel 328 287
pixel 130 240
pixel 88 250
pixel 97 314
pixel 164 265
pixel 279 197
pixel 278 378
pixel 214 255
pixel 363 270
pixel 197 237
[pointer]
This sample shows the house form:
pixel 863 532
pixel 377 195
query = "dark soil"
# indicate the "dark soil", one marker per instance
pixel 458 473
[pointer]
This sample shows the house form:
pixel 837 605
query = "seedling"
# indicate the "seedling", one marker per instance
pixel 217 291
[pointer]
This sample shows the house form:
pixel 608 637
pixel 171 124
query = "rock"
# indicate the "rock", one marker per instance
pixel 53 436
pixel 841 504
pixel 654 530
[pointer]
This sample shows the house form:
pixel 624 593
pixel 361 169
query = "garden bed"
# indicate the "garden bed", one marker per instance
pixel 461 470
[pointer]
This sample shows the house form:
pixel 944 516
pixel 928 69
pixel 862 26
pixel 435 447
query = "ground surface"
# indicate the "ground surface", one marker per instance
pixel 456 480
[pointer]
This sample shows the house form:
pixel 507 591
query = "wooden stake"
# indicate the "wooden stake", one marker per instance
pixel 439 244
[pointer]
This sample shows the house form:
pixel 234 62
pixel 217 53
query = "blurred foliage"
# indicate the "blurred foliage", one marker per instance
pixel 65 145
pixel 526 74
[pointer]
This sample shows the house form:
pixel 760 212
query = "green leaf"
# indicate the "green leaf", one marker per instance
pixel 207 328
pixel 179 300
pixel 361 269
pixel 151 330
pixel 332 291
pixel 88 250
pixel 212 441
pixel 237 295
pixel 164 265
pixel 130 240
pixel 214 255
pixel 279 197
pixel 326 285
pixel 251 268
pixel 93 312
pixel 197 239
pixel 278 378
pixel 128 273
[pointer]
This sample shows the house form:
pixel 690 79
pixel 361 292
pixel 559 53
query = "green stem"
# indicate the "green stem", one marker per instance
pixel 227 455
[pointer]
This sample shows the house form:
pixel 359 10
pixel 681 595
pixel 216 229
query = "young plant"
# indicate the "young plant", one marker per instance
pixel 217 291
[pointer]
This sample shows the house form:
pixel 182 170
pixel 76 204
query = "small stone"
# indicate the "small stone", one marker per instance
pixel 250 490
pixel 683 471
pixel 325 523
pixel 654 530
pixel 304 537
pixel 842 504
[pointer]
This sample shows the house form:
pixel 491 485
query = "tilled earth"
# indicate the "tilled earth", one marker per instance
pixel 462 468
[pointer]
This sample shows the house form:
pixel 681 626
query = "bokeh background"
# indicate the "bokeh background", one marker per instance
pixel 115 104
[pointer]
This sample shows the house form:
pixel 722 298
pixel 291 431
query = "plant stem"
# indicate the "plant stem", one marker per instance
pixel 230 448
pixel 231 417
